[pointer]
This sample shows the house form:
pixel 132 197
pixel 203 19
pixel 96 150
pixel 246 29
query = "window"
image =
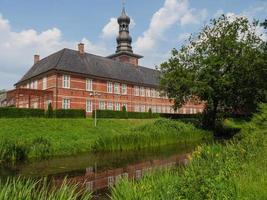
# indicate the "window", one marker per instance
pixel 66 103
pixel 44 83
pixel 109 87
pixel 66 81
pixel 125 105
pixel 116 88
pixel 110 106
pixel 124 89
pixel 158 109
pixel 89 85
pixel 89 106
pixel 152 93
pixel 35 85
pixel 102 105
pixel 143 108
pixel 110 181
pixel 142 91
pixel 191 111
pixel 148 92
pixel 28 85
pixel 136 108
pixel 136 90
pixel 154 109
pixel 138 174
pixel 118 106
pixel 90 186
pixel 47 103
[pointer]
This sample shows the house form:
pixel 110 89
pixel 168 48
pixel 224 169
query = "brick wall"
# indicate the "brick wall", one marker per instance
pixel 78 95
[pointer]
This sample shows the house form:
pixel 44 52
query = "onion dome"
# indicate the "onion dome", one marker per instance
pixel 124 18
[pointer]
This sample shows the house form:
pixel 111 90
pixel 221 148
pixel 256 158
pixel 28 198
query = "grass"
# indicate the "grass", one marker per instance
pixel 235 170
pixel 23 139
pixel 27 189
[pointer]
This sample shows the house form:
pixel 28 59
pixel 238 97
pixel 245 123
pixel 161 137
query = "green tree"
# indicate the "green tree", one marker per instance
pixel 223 65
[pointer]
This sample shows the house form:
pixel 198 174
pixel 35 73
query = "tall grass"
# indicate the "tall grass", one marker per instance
pixel 22 139
pixel 28 189
pixel 161 132
pixel 235 170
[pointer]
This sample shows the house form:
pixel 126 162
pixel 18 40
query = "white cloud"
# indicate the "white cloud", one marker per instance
pixel 172 13
pixel 111 29
pixel 17 49
pixel 194 17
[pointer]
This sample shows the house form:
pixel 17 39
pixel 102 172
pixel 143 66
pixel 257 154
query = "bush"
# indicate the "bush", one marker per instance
pixel 49 112
pixel 124 114
pixel 70 113
pixel 21 112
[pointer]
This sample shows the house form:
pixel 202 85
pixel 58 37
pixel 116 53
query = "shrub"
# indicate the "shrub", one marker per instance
pixel 124 114
pixel 70 113
pixel 10 112
pixel 49 112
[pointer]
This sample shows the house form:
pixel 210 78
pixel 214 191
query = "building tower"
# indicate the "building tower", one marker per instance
pixel 124 52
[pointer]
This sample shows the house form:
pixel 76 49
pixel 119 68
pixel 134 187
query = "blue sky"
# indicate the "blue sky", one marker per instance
pixel 43 27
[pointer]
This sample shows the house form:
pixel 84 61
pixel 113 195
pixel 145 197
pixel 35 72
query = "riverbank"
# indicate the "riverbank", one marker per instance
pixel 36 138
pixel 235 170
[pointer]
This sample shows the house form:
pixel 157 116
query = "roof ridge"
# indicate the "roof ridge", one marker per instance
pixel 115 61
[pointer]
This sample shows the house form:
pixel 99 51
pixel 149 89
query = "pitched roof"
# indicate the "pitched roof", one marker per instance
pixel 88 64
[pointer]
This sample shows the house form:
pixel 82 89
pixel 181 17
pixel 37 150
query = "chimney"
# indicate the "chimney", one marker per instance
pixel 36 59
pixel 81 48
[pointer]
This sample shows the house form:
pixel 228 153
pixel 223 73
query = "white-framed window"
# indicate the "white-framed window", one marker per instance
pixel 191 111
pixel 137 108
pixel 66 103
pixel 47 103
pixel 110 181
pixel 157 94
pixel 143 108
pixel 138 174
pixel 66 81
pixel 142 91
pixel 158 109
pixel 110 105
pixel 116 88
pixel 124 89
pixel 109 87
pixel 45 83
pixel 102 105
pixel 28 86
pixel 90 186
pixel 168 109
pixel 89 84
pixel 136 90
pixel 152 93
pixel 148 92
pixel 163 110
pixel 125 105
pixel 117 106
pixel 89 105
pixel 148 107
pixel 154 109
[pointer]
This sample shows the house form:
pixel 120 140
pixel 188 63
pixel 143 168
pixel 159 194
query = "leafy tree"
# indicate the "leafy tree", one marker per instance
pixel 223 65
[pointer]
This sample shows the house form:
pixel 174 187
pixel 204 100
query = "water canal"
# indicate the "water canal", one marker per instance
pixel 99 171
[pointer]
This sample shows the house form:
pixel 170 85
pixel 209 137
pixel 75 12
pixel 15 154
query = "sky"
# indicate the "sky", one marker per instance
pixel 157 26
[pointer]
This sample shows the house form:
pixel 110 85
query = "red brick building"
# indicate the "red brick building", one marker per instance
pixel 74 79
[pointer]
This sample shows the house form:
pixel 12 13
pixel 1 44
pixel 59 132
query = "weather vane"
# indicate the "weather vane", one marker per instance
pixel 123 3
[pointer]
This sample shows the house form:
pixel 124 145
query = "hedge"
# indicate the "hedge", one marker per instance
pixel 70 113
pixel 124 115
pixel 180 116
pixel 10 112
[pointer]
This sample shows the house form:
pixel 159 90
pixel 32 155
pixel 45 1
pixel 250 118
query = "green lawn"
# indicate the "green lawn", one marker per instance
pixel 34 137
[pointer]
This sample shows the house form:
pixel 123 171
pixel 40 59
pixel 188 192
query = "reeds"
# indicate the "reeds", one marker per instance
pixel 29 189
pixel 161 132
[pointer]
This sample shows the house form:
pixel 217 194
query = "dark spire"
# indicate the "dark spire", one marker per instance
pixel 124 40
